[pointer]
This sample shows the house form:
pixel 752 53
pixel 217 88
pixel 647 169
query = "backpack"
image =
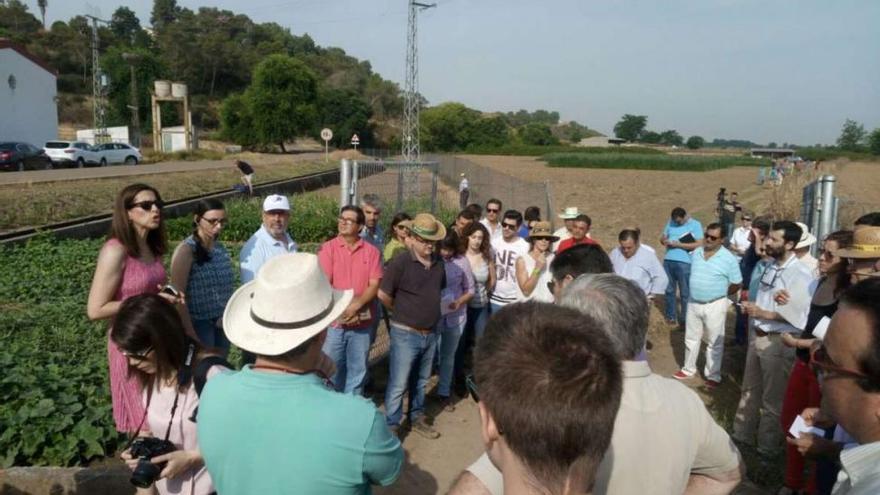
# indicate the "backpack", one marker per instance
pixel 200 376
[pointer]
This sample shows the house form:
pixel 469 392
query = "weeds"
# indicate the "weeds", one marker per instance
pixel 642 161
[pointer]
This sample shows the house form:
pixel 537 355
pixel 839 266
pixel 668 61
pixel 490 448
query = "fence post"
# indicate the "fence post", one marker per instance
pixel 436 169
pixel 827 218
pixel 548 203
pixel 400 168
pixel 344 181
pixel 353 190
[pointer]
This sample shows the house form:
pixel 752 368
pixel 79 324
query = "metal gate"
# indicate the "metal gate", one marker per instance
pixel 401 186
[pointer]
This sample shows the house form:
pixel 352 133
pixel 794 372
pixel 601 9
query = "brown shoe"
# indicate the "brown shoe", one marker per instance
pixel 422 427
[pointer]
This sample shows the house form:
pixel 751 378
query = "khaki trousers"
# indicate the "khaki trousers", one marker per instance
pixel 768 366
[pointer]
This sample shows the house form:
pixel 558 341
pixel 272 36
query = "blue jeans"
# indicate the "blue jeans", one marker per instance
pixel 349 349
pixel 410 368
pixel 679 274
pixel 211 336
pixel 449 338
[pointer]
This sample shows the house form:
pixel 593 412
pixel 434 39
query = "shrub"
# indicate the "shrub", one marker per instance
pixel 650 162
pixel 527 150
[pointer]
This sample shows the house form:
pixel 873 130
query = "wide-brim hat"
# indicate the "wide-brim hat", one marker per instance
pixel 289 302
pixel 425 226
pixel 866 244
pixel 569 213
pixel 542 230
pixel 807 239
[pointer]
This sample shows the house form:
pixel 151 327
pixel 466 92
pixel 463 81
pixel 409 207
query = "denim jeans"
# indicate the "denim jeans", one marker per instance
pixel 349 349
pixel 449 339
pixel 210 335
pixel 410 362
pixel 679 274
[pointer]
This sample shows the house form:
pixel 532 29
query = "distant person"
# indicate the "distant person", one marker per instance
pixel 371 231
pixel 491 221
pixel 568 215
pixel 399 233
pixel 803 247
pixel 531 215
pixel 681 236
pixel 247 175
pixel 739 239
pixel 639 263
pixel 533 269
pixel 580 229
pixel 275 426
pixel 507 250
pixel 464 191
pixel 727 209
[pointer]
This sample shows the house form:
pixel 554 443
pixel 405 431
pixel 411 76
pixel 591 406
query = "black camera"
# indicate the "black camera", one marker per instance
pixel 144 449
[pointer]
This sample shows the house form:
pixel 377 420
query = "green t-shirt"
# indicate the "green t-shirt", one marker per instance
pixel 281 433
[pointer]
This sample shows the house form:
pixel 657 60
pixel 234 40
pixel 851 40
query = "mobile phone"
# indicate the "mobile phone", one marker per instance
pixel 170 290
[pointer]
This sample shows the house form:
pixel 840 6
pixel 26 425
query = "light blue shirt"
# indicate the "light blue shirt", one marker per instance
pixel 675 232
pixel 260 248
pixel 376 237
pixel 643 268
pixel 711 278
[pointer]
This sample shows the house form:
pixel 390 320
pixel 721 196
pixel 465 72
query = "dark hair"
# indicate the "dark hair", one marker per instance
pixel 551 380
pixel 532 213
pixel 361 218
pixel 844 239
pixel 791 232
pixel 122 230
pixel 201 254
pixel 513 215
pixel 476 208
pixel 717 226
pixel 494 201
pixel 627 234
pixel 147 321
pixel 865 296
pixel 485 246
pixel 452 243
pixel 467 215
pixel 870 219
pixel 584 218
pixel 678 212
pixel 762 224
pixel 398 217
pixel 578 260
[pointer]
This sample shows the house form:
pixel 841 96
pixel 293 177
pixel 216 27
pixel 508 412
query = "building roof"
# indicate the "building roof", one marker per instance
pixel 6 43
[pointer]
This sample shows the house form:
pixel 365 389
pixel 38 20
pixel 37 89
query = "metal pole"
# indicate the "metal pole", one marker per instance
pixel 400 187
pixel 344 181
pixel 353 197
pixel 436 169
pixel 827 220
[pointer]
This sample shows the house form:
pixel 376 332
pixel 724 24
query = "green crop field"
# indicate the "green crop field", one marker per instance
pixel 533 150
pixel 635 161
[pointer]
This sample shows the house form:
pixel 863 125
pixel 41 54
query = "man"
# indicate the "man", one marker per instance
pixel 493 212
pixel 849 368
pixel 739 239
pixel 664 440
pixel 372 232
pixel 759 232
pixel 574 262
pixel 462 221
pixel 464 192
pixel 715 275
pixel 638 263
pixel 568 215
pixel 681 235
pixel 580 228
pixel 863 258
pixel 537 361
pixel 247 174
pixel 802 249
pixel 275 427
pixel 727 211
pixel 411 290
pixel 507 250
pixel 769 360
pixel 349 262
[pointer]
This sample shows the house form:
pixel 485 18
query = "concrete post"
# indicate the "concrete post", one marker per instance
pixel 344 181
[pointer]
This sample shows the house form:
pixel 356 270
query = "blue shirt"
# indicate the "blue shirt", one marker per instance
pixel 674 232
pixel 643 268
pixel 711 278
pixel 284 433
pixel 259 249
pixel 210 284
pixel 376 237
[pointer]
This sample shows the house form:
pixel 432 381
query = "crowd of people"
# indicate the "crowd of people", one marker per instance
pixel 544 329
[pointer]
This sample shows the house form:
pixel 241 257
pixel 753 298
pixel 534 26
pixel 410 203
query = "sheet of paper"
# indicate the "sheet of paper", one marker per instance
pixel 821 327
pixel 800 426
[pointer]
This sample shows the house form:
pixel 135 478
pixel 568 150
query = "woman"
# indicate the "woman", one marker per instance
pixel 533 270
pixel 398 237
pixel 459 290
pixel 148 331
pixel 202 265
pixel 803 387
pixel 130 263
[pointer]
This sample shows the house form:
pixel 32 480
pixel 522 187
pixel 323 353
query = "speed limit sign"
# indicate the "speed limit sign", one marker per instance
pixel 326 134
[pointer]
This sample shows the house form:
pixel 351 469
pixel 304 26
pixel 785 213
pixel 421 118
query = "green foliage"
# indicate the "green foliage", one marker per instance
pixel 695 142
pixel 517 149
pixel 650 137
pixel 851 136
pixel 147 67
pixel 448 126
pixel 345 113
pixel 830 153
pixel 649 161
pixel 282 99
pixel 536 134
pixel 523 117
pixel 630 127
pixel 671 138
pixel 16 22
pixel 874 142
pixel 733 143
pixel 236 121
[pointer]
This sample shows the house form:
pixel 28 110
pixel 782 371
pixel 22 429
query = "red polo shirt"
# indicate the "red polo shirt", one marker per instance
pixel 567 243
pixel 351 268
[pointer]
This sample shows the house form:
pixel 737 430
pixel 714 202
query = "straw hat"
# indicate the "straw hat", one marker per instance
pixel 425 226
pixel 289 302
pixel 541 230
pixel 866 244
pixel 569 213
pixel 807 239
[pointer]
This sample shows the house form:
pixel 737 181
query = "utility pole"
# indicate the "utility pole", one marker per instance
pixel 99 107
pixel 411 150
pixel 135 137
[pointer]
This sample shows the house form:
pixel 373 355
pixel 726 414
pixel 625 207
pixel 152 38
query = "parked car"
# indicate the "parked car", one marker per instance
pixel 117 153
pixel 18 156
pixel 71 153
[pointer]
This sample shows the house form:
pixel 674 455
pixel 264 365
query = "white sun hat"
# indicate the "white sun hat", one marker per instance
pixel 569 213
pixel 807 239
pixel 289 302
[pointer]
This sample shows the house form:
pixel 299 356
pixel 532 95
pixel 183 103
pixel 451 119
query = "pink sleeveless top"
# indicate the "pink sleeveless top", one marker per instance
pixel 137 278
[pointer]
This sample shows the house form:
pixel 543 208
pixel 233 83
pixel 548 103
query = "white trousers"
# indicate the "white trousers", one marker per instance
pixel 705 322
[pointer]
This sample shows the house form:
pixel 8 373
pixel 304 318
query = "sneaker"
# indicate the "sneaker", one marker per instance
pixel 422 427
pixel 681 375
pixel 711 384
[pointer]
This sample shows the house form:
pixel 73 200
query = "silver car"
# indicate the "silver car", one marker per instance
pixel 71 154
pixel 117 153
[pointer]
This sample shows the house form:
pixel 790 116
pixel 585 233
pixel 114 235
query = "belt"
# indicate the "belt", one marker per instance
pixel 708 302
pixel 423 331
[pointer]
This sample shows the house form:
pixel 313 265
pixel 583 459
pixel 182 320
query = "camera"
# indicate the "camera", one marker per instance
pixel 144 449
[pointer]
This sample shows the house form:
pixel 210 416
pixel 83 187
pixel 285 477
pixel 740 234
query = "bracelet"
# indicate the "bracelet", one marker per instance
pixel 536 272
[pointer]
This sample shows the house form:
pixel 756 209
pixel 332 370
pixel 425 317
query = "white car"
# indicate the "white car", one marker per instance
pixel 71 154
pixel 117 153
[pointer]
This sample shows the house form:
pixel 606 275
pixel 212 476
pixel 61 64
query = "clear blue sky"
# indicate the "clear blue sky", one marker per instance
pixel 783 71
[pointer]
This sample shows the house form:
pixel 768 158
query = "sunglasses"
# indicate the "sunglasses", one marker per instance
pixel 822 364
pixel 216 221
pixel 140 356
pixel 493 210
pixel 711 237
pixel 508 226
pixel 147 205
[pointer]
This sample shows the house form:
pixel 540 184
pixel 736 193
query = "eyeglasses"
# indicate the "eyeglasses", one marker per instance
pixel 472 387
pixel 216 221
pixel 711 237
pixel 822 363
pixel 422 241
pixel 147 205
pixel 508 226
pixel 348 221
pixel 140 356
pixel 493 210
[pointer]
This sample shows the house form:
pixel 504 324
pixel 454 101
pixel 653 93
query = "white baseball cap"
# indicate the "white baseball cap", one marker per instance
pixel 276 202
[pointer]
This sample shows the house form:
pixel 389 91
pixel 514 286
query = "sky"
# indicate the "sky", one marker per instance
pixel 787 71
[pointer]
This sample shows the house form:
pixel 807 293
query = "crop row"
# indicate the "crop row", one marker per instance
pixel 650 161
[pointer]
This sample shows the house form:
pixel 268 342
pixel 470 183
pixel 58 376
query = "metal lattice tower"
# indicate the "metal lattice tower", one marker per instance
pixel 99 108
pixel 411 151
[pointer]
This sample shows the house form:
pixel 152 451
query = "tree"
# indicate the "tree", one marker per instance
pixel 630 127
pixel 851 135
pixel 695 142
pixel 282 99
pixel 874 141
pixel 345 113
pixel 671 137
pixel 126 26
pixel 236 121
pixel 771 145
pixel 537 134
pixel 490 132
pixel 448 126
pixel 42 6
pixel 650 137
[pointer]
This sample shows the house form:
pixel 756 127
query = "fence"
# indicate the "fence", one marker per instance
pixel 819 208
pixel 402 186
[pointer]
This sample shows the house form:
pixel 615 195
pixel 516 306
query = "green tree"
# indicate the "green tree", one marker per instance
pixel 236 121
pixel 448 126
pixel 671 137
pixel 126 26
pixel 537 134
pixel 42 4
pixel 148 68
pixel 630 127
pixel 282 100
pixel 345 113
pixel 164 13
pixel 771 145
pixel 695 142
pixel 650 137
pixel 851 135
pixel 874 141
pixel 490 132
pixel 17 23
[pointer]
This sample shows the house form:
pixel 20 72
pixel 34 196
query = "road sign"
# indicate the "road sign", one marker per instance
pixel 326 134
pixel 355 141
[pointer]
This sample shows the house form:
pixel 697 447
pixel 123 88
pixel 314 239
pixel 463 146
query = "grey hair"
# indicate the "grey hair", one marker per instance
pixel 618 304
pixel 372 200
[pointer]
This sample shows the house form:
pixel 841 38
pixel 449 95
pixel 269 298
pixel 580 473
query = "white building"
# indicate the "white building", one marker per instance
pixel 28 107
